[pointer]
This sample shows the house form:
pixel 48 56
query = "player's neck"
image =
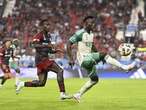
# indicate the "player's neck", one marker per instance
pixel 88 30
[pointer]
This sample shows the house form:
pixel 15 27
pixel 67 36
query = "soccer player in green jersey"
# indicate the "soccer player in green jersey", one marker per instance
pixel 88 56
pixel 14 60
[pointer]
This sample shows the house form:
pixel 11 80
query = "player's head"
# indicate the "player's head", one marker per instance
pixel 44 24
pixel 7 43
pixel 15 42
pixel 89 23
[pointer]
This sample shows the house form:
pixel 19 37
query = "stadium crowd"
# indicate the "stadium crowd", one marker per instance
pixel 65 18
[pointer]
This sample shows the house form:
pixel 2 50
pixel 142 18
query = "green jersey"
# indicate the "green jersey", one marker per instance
pixel 14 62
pixel 84 41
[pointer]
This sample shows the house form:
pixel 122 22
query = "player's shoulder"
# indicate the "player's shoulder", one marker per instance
pixel 78 32
pixel 37 36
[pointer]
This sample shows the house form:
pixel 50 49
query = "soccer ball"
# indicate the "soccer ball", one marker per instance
pixel 126 49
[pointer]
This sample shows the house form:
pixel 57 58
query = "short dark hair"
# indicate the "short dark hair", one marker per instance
pixel 42 21
pixel 88 17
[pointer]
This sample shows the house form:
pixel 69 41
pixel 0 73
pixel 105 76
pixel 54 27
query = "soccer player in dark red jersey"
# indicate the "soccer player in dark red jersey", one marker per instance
pixel 41 42
pixel 5 53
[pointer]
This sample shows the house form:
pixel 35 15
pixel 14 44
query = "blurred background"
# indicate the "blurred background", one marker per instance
pixel 116 20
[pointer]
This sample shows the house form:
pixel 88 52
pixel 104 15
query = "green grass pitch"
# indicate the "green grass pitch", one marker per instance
pixel 108 94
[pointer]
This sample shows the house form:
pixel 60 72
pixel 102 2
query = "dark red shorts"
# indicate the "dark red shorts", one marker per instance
pixel 44 65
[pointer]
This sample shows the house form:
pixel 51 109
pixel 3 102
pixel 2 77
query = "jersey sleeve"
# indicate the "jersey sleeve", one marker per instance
pixel 37 37
pixel 76 37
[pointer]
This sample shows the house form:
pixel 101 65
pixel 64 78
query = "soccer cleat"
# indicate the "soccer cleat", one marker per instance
pixel 19 86
pixel 77 97
pixel 64 96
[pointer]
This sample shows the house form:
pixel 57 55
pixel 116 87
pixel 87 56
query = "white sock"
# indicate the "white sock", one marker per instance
pixel 86 87
pixel 22 83
pixel 17 79
pixel 115 62
pixel 62 93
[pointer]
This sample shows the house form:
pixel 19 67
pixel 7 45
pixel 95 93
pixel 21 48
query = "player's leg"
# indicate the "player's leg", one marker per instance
pixel 17 76
pixel 108 59
pixel 60 80
pixel 2 80
pixel 35 83
pixel 38 83
pixel 115 62
pixel 92 81
pixel 14 65
pixel 42 77
pixel 89 65
pixel 7 74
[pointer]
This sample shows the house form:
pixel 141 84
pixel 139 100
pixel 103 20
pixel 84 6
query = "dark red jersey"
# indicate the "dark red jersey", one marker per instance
pixel 2 53
pixel 5 55
pixel 41 42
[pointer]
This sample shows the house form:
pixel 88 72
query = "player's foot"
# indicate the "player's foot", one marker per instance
pixel 77 97
pixel 64 96
pixel 19 86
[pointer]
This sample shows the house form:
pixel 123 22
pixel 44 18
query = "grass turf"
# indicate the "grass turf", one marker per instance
pixel 108 94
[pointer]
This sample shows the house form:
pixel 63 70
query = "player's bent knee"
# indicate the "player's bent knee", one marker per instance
pixel 94 79
pixel 7 76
